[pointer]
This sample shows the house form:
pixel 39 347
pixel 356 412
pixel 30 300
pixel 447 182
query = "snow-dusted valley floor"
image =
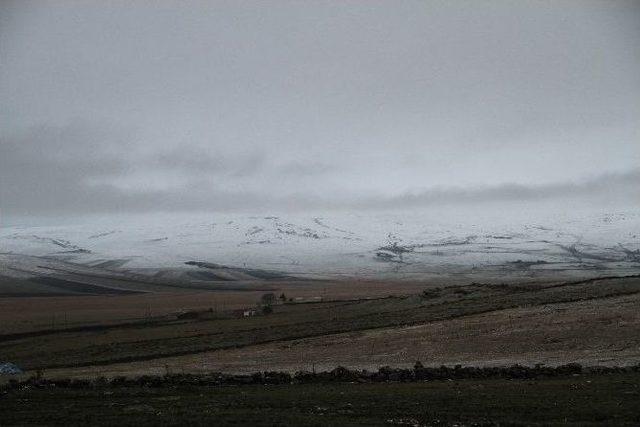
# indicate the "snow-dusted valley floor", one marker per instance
pixel 497 245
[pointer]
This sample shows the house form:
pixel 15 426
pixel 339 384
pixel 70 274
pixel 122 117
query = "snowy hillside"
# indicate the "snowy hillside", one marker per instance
pixel 423 243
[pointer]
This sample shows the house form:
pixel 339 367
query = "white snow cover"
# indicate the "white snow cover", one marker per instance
pixel 426 241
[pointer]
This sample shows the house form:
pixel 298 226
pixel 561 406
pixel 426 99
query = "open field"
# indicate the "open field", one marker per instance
pixel 593 321
pixel 581 400
pixel 33 313
pixel 90 322
pixel 593 332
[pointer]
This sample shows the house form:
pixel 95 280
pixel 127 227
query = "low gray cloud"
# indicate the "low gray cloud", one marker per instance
pixel 132 106
pixel 197 160
pixel 81 168
pixel 310 168
pixel 617 188
pixel 89 167
pixel 47 167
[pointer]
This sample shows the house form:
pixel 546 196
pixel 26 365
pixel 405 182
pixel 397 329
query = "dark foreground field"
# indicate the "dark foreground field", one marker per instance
pixel 575 399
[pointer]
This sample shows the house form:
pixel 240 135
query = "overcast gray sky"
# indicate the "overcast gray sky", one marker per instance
pixel 222 105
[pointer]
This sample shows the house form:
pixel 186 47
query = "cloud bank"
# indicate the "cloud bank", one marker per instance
pixel 92 169
pixel 119 106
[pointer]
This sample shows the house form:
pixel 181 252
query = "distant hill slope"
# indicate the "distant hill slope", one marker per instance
pixel 469 245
